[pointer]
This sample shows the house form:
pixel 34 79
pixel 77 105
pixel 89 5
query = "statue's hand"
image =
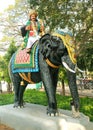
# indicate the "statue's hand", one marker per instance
pixel 28 27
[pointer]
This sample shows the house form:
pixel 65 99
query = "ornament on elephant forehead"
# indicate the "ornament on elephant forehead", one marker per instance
pixel 69 43
pixel 70 40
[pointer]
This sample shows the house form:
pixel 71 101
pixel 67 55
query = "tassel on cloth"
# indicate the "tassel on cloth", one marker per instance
pixel 22 83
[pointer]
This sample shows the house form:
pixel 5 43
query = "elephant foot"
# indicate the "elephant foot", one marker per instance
pixel 52 112
pixel 75 113
pixel 75 110
pixel 18 105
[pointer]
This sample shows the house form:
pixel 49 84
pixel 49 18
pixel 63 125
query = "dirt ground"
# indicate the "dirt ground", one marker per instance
pixel 4 127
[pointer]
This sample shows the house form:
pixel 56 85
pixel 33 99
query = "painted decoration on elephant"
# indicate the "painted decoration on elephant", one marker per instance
pixel 24 62
pixel 70 44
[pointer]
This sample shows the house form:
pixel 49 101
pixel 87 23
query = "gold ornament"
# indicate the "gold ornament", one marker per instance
pixel 22 83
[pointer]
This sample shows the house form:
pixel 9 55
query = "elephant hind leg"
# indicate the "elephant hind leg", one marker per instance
pixel 18 91
pixel 21 94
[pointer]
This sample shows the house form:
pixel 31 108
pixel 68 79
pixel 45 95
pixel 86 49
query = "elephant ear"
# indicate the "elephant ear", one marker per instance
pixel 45 45
pixel 44 38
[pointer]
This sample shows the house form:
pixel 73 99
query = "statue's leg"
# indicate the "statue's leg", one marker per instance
pixel 18 90
pixel 21 94
pixel 73 88
pixel 54 77
pixel 50 89
pixel 16 84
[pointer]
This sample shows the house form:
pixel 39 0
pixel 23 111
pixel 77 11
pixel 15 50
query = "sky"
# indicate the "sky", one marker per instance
pixel 5 3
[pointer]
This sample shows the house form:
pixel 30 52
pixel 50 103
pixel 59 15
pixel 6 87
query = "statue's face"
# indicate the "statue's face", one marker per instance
pixel 33 17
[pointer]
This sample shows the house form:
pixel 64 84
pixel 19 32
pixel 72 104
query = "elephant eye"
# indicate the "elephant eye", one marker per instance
pixel 55 39
pixel 47 42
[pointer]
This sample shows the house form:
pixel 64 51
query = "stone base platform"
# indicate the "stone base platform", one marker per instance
pixel 34 117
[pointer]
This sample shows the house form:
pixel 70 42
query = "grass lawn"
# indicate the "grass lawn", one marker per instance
pixel 37 97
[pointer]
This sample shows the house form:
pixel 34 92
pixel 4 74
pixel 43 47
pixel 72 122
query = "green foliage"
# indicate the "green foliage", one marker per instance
pixel 63 102
pixel 84 61
pixel 37 97
pixel 12 48
pixel 72 14
pixel 5 61
pixel 87 106
pixel 6 99
pixel 3 69
pixel 62 74
pixel 77 17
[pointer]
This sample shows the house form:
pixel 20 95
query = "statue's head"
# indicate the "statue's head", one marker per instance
pixel 33 12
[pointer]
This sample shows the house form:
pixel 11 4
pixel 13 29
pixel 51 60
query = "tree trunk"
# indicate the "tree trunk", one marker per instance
pixel 9 87
pixel 63 87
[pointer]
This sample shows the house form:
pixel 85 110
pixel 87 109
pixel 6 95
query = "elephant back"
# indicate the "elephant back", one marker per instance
pixel 25 62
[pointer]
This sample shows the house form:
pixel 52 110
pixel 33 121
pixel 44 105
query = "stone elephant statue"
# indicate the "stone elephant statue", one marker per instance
pixel 52 52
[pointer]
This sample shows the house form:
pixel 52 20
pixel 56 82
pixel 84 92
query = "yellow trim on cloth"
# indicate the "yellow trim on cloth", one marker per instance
pixel 70 45
pixel 26 78
pixel 51 64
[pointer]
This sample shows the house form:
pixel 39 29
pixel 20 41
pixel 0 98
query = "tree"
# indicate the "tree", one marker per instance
pixel 85 60
pixel 1 66
pixel 62 77
pixel 12 20
pixel 74 15
pixel 4 62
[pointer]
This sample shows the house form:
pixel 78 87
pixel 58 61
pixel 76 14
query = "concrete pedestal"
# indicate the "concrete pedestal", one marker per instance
pixel 34 117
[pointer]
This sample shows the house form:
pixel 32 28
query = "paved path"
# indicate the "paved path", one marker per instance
pixel 84 92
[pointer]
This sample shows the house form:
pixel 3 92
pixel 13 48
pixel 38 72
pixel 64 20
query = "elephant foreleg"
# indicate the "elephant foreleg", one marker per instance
pixel 49 87
pixel 51 94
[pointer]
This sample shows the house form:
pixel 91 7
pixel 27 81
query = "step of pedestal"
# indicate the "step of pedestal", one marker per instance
pixel 34 117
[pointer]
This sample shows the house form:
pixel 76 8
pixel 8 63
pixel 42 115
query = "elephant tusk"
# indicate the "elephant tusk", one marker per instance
pixel 67 67
pixel 79 70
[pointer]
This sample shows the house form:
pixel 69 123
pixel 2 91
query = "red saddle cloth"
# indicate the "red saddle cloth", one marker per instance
pixel 25 62
pixel 22 57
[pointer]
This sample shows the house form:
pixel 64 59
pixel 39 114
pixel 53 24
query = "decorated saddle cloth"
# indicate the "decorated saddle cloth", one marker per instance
pixel 69 43
pixel 24 62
